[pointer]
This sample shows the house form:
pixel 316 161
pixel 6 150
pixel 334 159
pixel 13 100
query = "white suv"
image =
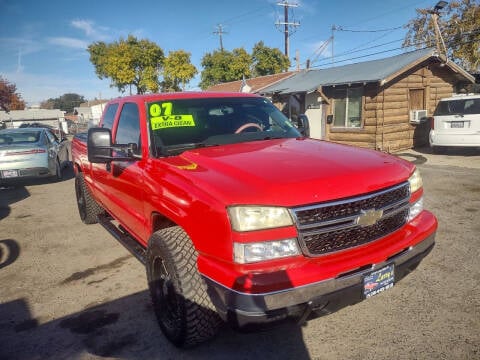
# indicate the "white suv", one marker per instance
pixel 456 122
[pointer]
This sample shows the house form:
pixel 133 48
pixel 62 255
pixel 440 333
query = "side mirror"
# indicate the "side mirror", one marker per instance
pixel 99 145
pixel 329 119
pixel 303 125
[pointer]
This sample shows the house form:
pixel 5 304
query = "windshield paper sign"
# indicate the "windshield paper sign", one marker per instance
pixel 160 117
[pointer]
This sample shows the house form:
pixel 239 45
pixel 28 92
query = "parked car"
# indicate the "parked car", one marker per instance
pixel 31 153
pixel 456 122
pixel 58 132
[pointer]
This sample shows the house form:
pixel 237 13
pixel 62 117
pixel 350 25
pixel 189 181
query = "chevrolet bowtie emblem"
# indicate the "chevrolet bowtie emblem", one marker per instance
pixel 369 217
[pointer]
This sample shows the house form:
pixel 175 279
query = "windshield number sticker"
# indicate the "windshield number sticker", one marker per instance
pixel 161 117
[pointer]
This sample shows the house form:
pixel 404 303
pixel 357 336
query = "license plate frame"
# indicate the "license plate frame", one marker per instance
pixel 9 174
pixel 378 281
pixel 457 124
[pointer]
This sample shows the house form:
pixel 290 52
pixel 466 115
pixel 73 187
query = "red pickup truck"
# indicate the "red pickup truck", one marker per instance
pixel 238 217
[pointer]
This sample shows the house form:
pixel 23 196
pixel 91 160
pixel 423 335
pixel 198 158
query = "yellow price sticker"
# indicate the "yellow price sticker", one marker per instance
pixel 171 121
pixel 157 109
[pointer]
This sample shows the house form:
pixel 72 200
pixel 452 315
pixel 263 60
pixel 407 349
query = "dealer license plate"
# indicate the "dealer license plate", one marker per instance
pixel 9 173
pixel 457 124
pixel 378 281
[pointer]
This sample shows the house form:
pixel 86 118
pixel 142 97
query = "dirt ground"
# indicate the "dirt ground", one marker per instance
pixel 70 291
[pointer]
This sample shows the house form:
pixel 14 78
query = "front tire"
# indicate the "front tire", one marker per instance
pixel 182 306
pixel 88 208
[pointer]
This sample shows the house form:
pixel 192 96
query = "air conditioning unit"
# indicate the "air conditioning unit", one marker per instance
pixel 418 116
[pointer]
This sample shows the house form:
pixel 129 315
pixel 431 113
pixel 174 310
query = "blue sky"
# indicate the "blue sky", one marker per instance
pixel 43 43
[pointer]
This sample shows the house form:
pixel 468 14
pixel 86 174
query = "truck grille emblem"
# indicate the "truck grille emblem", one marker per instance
pixel 369 217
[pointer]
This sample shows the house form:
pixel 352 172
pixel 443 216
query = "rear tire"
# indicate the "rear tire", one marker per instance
pixel 182 306
pixel 88 208
pixel 58 172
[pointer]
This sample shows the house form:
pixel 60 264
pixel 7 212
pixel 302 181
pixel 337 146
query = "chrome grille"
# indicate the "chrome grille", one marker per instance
pixel 340 225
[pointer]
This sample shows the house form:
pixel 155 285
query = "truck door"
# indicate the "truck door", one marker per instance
pixel 99 171
pixel 126 177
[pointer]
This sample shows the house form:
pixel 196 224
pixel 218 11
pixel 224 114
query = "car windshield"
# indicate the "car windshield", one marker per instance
pixel 179 125
pixel 460 106
pixel 17 137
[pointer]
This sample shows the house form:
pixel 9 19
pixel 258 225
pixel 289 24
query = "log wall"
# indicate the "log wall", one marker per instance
pixel 386 109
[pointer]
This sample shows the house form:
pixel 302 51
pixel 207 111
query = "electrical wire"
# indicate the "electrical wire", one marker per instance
pixel 419 44
pixel 340 28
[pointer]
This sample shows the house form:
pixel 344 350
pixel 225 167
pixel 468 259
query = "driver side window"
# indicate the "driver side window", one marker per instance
pixel 128 128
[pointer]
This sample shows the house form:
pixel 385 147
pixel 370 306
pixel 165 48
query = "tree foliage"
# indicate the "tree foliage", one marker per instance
pixel 223 66
pixel 129 62
pixel 268 61
pixel 9 98
pixel 66 102
pixel 177 71
pixel 459 24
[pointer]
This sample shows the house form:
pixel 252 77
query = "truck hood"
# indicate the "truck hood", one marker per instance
pixel 288 172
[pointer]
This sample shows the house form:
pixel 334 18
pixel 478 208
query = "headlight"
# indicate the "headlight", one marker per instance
pixel 415 209
pixel 261 251
pixel 247 218
pixel 415 181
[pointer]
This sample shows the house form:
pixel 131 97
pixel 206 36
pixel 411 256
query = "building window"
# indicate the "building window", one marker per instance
pixel 348 108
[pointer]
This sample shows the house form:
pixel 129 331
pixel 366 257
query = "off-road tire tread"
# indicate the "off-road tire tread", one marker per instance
pixel 92 208
pixel 174 246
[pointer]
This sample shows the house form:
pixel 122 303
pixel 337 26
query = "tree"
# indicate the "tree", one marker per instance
pixel 223 66
pixel 177 71
pixel 9 98
pixel 268 61
pixel 66 102
pixel 459 25
pixel 128 62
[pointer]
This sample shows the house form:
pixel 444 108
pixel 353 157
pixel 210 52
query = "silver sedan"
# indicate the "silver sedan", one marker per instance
pixel 31 153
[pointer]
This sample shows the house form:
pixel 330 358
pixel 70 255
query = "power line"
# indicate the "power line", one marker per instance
pixel 341 28
pixel 473 32
pixel 245 14
pixel 357 50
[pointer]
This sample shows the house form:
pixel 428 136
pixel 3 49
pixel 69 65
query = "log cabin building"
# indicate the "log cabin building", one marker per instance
pixel 380 104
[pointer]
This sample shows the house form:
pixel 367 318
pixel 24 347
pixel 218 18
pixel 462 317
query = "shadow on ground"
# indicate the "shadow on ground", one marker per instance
pixel 125 328
pixel 451 150
pixel 12 192
pixel 9 252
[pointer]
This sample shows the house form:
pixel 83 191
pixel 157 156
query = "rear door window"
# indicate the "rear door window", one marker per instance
pixel 109 116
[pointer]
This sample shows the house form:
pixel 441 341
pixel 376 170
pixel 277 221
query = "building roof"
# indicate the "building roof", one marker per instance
pixel 93 102
pixel 381 71
pixel 256 84
pixel 31 115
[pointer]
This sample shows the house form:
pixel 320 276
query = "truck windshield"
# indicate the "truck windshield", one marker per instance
pixel 183 124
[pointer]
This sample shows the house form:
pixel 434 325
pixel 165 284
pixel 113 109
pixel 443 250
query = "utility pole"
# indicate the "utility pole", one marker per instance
pixel 435 12
pixel 220 32
pixel 286 24
pixel 333 40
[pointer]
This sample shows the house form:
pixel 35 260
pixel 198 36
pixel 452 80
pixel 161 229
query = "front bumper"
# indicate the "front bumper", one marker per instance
pixel 246 311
